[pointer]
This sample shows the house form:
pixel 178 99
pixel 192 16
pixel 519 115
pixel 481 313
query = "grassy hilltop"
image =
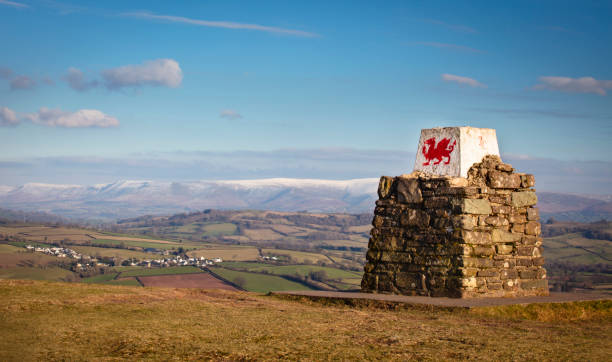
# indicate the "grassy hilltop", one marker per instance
pixel 53 321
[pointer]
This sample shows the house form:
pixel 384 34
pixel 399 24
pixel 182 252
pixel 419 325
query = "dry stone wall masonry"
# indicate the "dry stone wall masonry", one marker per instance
pixel 457 237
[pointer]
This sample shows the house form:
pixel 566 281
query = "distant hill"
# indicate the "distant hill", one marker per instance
pixel 125 199
pixel 30 217
pixel 570 207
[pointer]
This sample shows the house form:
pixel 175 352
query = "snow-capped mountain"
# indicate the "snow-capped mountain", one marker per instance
pixel 134 198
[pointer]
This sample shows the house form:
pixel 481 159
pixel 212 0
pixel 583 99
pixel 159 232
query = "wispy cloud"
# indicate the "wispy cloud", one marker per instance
pixel 574 85
pixel 13 4
pixel 8 117
pixel 453 27
pixel 220 24
pixel 78 119
pixel 76 80
pixel 23 82
pixel 462 80
pixel 230 114
pixel 159 72
pixel 460 48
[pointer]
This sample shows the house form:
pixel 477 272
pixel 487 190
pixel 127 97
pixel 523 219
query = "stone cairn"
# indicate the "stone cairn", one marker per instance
pixel 474 236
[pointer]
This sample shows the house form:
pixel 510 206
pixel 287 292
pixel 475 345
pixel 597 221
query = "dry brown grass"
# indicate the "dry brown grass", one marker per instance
pixel 53 321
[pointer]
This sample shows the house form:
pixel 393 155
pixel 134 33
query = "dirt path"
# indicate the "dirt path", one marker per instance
pixel 449 302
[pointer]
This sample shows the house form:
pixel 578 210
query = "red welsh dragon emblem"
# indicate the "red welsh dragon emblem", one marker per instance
pixel 439 152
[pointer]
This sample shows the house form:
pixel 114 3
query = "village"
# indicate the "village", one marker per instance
pixel 85 261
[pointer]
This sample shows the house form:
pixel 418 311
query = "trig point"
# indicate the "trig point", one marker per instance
pixel 452 151
pixel 463 224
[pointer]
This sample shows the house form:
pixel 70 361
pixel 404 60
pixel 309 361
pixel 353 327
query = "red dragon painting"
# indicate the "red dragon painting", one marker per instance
pixel 438 152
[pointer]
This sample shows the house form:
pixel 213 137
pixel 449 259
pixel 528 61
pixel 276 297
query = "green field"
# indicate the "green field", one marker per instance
pixel 219 229
pixel 112 252
pixel 297 256
pixel 577 249
pixel 237 253
pixel 302 270
pixel 259 282
pixel 160 271
pixel 100 278
pixel 140 244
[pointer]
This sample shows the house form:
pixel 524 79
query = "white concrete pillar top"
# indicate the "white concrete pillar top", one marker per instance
pixel 451 151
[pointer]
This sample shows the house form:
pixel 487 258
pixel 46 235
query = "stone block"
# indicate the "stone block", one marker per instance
pixel 471 262
pixel 527 181
pixel 465 222
pixel 525 250
pixel 414 217
pixel 384 187
pixel 475 206
pixel 492 285
pixel 500 199
pixel 528 274
pixel 517 219
pixel 502 180
pixel 436 202
pixel 518 228
pixel 533 228
pixel 476 237
pixel 508 274
pixel 504 249
pixel 533 214
pixel 408 190
pixel 470 282
pixel 505 167
pixel 488 273
pixel 531 240
pixel 524 198
pixel 469 272
pixel 484 250
pixel 378 221
pixel 407 280
pixel 501 209
pixel 524 262
pixel 496 221
pixel 501 236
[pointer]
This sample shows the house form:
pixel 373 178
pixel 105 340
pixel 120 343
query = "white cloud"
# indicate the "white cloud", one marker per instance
pixel 462 80
pixel 575 85
pixel 22 82
pixel 230 114
pixel 8 117
pixel 221 24
pixel 13 4
pixel 76 80
pixel 159 72
pixel 79 119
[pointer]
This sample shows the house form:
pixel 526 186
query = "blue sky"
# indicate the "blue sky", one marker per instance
pixel 118 80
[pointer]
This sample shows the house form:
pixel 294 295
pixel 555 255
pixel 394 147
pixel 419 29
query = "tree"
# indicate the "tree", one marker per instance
pixel 239 281
pixel 319 275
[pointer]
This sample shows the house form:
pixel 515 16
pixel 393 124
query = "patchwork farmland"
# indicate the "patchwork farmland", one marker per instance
pixel 261 250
